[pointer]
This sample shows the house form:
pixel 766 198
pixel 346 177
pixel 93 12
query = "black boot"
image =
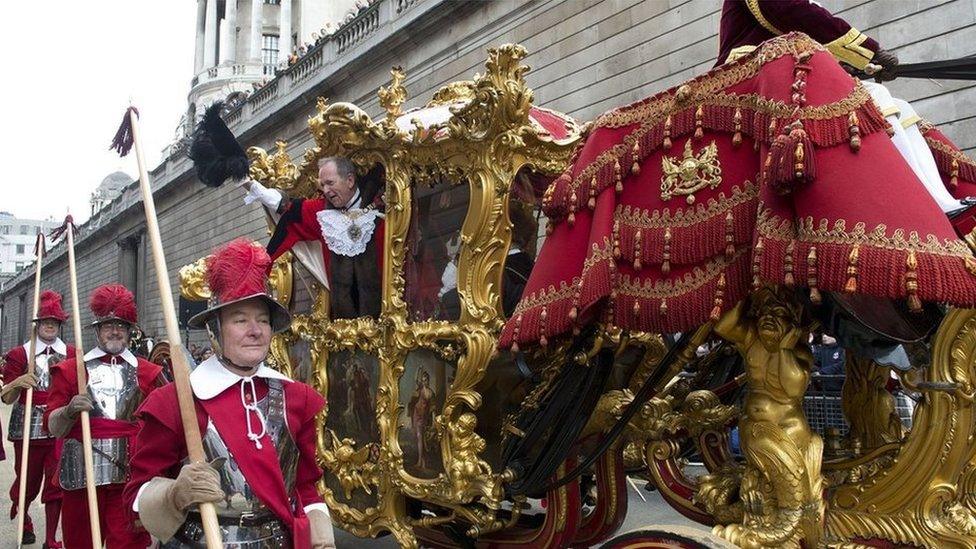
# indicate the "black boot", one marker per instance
pixel 29 538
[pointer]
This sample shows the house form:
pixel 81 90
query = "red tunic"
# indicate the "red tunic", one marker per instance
pixel 16 366
pixel 42 460
pixel 299 223
pixel 64 386
pixel 751 22
pixel 161 448
pixel 117 530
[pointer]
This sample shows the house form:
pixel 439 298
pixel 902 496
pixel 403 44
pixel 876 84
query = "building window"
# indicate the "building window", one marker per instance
pixel 20 248
pixel 273 2
pixel 25 229
pixel 5 229
pixel 269 50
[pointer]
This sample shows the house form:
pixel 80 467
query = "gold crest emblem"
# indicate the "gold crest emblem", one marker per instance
pixel 691 173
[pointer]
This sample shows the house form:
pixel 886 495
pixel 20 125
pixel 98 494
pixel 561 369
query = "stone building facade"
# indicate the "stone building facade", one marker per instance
pixel 587 56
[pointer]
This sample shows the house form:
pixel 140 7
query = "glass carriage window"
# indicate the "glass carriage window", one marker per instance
pixel 433 244
pixel 528 232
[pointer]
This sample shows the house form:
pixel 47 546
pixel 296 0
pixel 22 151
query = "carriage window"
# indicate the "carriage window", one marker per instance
pixel 433 242
pixel 528 231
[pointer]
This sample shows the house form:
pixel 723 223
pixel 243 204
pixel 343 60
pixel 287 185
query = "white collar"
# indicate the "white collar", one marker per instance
pixel 210 378
pixel 126 355
pixel 39 347
pixel 353 202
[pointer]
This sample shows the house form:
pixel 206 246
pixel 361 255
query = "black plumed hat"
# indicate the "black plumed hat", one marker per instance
pixel 216 154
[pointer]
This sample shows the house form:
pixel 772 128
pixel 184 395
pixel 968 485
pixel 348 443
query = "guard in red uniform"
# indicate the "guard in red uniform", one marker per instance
pixel 347 223
pixel 42 459
pixel 118 382
pixel 747 23
pixel 258 429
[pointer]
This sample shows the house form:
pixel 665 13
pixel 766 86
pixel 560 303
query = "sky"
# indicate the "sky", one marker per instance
pixel 78 65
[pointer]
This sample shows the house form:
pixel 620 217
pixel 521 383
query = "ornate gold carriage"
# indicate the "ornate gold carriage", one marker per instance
pixel 431 432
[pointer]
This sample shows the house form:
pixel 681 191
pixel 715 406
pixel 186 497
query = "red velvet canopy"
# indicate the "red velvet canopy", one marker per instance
pixel 775 168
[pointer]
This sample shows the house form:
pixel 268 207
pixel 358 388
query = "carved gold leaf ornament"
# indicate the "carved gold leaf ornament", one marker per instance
pixel 193 281
pixel 488 138
pixel 919 490
pixel 692 172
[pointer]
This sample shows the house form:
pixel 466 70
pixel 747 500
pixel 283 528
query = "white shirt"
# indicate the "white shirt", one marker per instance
pixel 125 355
pixel 40 347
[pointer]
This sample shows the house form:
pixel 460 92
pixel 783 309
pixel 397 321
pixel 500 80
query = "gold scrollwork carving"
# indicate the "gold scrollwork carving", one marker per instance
pixel 487 140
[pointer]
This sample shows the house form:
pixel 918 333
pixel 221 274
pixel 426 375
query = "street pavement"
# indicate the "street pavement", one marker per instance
pixel 640 513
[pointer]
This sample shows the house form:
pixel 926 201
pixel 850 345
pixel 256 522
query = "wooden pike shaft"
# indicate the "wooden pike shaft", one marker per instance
pixel 86 440
pixel 181 370
pixel 29 399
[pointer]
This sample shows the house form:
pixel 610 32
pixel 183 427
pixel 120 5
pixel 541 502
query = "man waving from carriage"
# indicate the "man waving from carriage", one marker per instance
pixel 347 219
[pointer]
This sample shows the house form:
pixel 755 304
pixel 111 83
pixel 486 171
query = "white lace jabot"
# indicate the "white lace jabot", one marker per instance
pixel 348 232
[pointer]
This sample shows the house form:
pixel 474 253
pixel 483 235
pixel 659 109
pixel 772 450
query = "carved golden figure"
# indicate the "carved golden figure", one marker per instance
pixel 868 406
pixel 468 447
pixel 781 485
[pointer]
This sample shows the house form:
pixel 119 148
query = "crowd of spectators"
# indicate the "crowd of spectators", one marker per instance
pixel 301 49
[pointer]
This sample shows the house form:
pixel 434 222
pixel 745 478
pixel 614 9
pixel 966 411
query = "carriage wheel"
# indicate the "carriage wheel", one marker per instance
pixel 667 537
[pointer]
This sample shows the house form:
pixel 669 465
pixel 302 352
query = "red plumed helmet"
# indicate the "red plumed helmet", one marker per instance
pixel 50 307
pixel 236 272
pixel 113 302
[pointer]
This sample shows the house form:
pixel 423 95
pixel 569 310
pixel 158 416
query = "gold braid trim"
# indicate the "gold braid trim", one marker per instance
pixel 820 232
pixel 645 219
pixel 598 254
pixel 753 6
pixel 548 295
pixel 848 49
pixel 654 112
pixel 941 147
pixel 669 288
pixel 703 88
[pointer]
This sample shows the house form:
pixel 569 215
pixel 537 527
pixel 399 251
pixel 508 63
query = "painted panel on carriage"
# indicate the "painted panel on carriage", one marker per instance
pixel 425 381
pixel 351 426
pixel 433 241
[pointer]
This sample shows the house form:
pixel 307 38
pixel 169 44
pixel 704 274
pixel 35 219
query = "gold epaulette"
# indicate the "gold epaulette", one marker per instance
pixel 848 49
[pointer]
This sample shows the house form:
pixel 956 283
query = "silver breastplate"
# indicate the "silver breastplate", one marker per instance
pixel 16 428
pixel 246 523
pixel 114 390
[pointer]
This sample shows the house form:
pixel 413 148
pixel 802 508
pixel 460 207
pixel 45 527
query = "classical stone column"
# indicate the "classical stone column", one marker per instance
pixel 256 21
pixel 284 32
pixel 198 52
pixel 210 36
pixel 228 33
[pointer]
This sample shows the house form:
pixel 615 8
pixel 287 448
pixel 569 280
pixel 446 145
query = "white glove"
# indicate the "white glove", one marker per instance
pixel 323 537
pixel 257 192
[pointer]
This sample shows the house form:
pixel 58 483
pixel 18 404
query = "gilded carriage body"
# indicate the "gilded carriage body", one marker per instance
pixel 433 433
